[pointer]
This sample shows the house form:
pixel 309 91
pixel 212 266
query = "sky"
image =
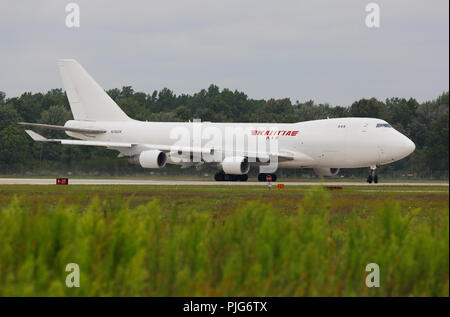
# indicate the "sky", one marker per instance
pixel 303 50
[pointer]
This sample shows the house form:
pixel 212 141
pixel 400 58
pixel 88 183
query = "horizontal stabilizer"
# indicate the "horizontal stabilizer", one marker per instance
pixel 62 128
pixel 36 136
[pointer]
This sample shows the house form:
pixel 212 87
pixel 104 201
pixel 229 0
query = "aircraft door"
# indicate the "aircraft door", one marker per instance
pixel 365 127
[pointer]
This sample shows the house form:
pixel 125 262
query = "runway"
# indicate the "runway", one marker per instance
pixel 75 181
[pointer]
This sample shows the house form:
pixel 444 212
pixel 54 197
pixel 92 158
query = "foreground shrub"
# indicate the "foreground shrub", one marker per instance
pixel 255 251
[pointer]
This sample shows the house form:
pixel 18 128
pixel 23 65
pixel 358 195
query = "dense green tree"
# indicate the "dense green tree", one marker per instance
pixel 114 93
pixel 425 123
pixel 371 108
pixel 56 115
pixel 184 113
pixel 13 148
pixel 166 100
pixel 8 116
pixel 402 111
pixel 126 92
pixel 436 150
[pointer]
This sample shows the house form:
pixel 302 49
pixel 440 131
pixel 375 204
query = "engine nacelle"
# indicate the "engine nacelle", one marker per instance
pixel 326 171
pixel 150 159
pixel 235 165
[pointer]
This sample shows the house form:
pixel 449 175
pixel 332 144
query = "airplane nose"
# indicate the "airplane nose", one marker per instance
pixel 410 146
pixel 406 146
pixel 395 147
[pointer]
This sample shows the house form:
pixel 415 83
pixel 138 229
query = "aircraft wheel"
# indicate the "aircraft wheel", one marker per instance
pixel 243 178
pixel 219 177
pixel 373 177
pixel 231 177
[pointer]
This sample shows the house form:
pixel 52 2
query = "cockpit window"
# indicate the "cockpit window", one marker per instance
pixel 383 125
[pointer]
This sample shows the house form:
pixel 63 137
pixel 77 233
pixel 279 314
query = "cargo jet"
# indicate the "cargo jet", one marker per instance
pixel 233 148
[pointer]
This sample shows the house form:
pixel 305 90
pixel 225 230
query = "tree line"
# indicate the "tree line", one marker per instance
pixel 425 123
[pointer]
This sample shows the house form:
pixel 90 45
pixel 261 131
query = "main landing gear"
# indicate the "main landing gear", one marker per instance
pixel 222 177
pixel 262 177
pixel 373 177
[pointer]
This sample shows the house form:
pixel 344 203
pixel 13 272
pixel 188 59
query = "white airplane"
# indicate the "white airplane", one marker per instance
pixel 323 145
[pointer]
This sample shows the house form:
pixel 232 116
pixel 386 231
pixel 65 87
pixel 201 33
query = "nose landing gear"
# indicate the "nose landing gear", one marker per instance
pixel 373 177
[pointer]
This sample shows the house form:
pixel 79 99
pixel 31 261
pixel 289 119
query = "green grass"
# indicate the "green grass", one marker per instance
pixel 222 241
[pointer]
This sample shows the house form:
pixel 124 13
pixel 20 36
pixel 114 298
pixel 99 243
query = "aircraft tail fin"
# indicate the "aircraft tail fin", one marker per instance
pixel 88 101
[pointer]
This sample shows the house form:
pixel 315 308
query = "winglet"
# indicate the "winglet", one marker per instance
pixel 36 136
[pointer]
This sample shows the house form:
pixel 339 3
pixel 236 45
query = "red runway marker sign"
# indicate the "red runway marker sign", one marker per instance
pixel 62 181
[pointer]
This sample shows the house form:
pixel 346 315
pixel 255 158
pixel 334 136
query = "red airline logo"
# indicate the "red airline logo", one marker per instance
pixel 275 132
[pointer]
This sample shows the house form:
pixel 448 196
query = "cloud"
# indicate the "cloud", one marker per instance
pixel 318 50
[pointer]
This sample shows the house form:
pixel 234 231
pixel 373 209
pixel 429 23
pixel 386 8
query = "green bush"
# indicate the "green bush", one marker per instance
pixel 257 250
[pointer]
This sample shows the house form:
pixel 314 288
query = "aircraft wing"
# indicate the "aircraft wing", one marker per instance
pixel 280 156
pixel 62 128
pixel 256 156
pixel 187 149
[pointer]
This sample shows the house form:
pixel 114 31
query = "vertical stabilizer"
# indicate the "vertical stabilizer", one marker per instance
pixel 88 101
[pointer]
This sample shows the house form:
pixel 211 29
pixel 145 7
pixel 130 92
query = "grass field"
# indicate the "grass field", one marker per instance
pixel 223 240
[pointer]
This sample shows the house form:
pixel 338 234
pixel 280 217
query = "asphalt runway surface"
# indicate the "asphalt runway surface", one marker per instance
pixel 75 181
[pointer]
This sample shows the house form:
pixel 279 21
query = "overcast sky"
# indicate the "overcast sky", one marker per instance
pixel 319 50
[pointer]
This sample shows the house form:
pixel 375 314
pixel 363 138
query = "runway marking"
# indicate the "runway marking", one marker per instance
pixel 403 191
pixel 52 181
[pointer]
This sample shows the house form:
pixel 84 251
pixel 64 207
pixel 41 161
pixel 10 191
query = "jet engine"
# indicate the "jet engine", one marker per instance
pixel 235 165
pixel 150 159
pixel 326 171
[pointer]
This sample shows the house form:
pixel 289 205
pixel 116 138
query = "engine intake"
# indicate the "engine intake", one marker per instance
pixel 326 171
pixel 235 165
pixel 150 159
